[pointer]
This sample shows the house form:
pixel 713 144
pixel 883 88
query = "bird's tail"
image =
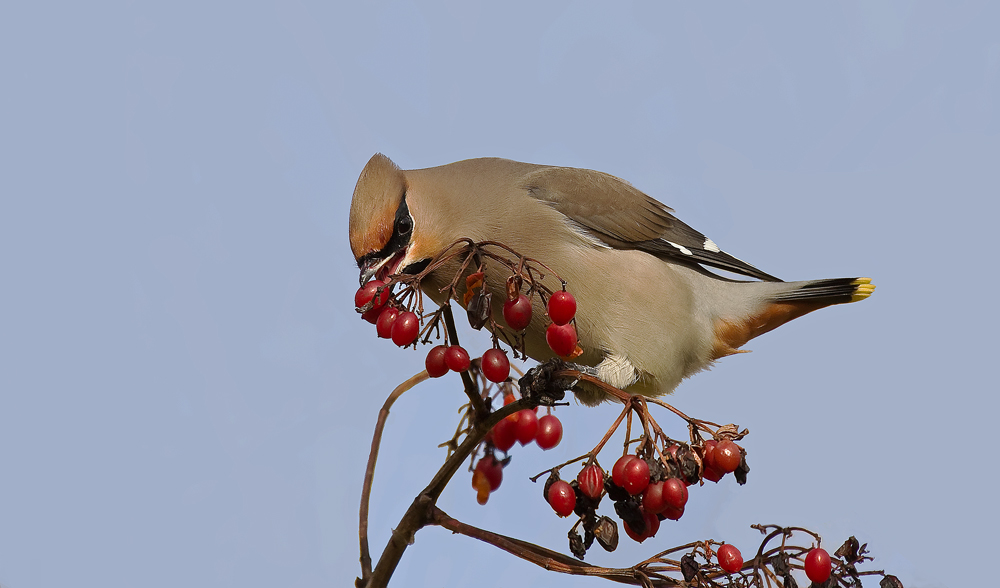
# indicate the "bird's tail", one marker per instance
pixel 827 292
pixel 788 301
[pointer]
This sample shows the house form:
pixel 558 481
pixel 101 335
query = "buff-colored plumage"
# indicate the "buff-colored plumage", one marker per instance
pixel 648 313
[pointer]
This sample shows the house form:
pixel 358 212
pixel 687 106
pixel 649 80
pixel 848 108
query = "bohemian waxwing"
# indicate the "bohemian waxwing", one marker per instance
pixel 648 312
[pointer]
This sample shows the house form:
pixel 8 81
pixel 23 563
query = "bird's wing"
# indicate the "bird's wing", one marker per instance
pixel 615 212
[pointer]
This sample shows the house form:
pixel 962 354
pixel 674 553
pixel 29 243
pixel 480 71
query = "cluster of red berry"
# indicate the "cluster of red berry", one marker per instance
pixel 645 491
pixel 524 426
pixel 720 458
pixel 403 327
pixel 561 334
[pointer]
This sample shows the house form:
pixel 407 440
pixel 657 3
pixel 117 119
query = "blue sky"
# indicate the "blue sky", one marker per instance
pixel 186 393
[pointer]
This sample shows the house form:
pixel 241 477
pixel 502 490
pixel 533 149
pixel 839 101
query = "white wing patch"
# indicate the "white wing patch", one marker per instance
pixel 680 248
pixel 711 246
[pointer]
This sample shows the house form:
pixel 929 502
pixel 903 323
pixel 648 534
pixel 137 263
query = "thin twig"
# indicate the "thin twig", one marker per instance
pixel 471 389
pixel 366 489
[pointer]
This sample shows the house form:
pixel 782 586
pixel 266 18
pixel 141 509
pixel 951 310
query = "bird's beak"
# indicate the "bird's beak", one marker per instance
pixel 383 268
pixel 370 268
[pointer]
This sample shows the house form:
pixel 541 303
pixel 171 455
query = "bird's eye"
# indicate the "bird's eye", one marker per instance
pixel 404 226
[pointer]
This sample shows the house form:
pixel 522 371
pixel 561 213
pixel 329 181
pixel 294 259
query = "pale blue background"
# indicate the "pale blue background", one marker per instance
pixel 186 393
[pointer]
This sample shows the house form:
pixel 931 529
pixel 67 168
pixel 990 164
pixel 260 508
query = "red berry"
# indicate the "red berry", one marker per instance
pixel 496 366
pixel 562 307
pixel 457 358
pixel 726 457
pixel 672 513
pixel 561 339
pixel 708 457
pixel 504 434
pixel 383 325
pixel 730 558
pixel 562 498
pixel 818 565
pixel 549 431
pixel 527 426
pixel 591 481
pixel 517 312
pixel 652 524
pixel 636 476
pixel 405 329
pixel 435 364
pixel 637 537
pixel 652 498
pixel 618 470
pixel 675 493
pixel 712 474
pixel 493 470
pixel 372 315
pixel 365 293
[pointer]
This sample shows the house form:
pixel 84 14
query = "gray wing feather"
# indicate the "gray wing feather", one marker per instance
pixel 618 214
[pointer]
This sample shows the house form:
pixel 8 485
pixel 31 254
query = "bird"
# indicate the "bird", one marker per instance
pixel 651 308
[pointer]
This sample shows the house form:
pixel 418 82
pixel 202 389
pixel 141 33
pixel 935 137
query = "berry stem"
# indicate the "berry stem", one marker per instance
pixel 471 389
pixel 574 460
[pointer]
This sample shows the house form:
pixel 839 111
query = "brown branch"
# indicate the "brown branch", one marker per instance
pixel 419 513
pixel 542 557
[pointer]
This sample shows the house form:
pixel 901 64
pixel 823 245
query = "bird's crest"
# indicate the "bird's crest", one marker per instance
pixel 373 208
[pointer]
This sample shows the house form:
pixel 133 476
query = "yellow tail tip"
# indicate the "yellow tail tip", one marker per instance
pixel 864 289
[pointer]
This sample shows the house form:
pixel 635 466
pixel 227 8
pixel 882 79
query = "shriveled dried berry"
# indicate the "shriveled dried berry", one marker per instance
pixel 478 309
pixel 606 532
pixel 576 546
pixel 689 568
